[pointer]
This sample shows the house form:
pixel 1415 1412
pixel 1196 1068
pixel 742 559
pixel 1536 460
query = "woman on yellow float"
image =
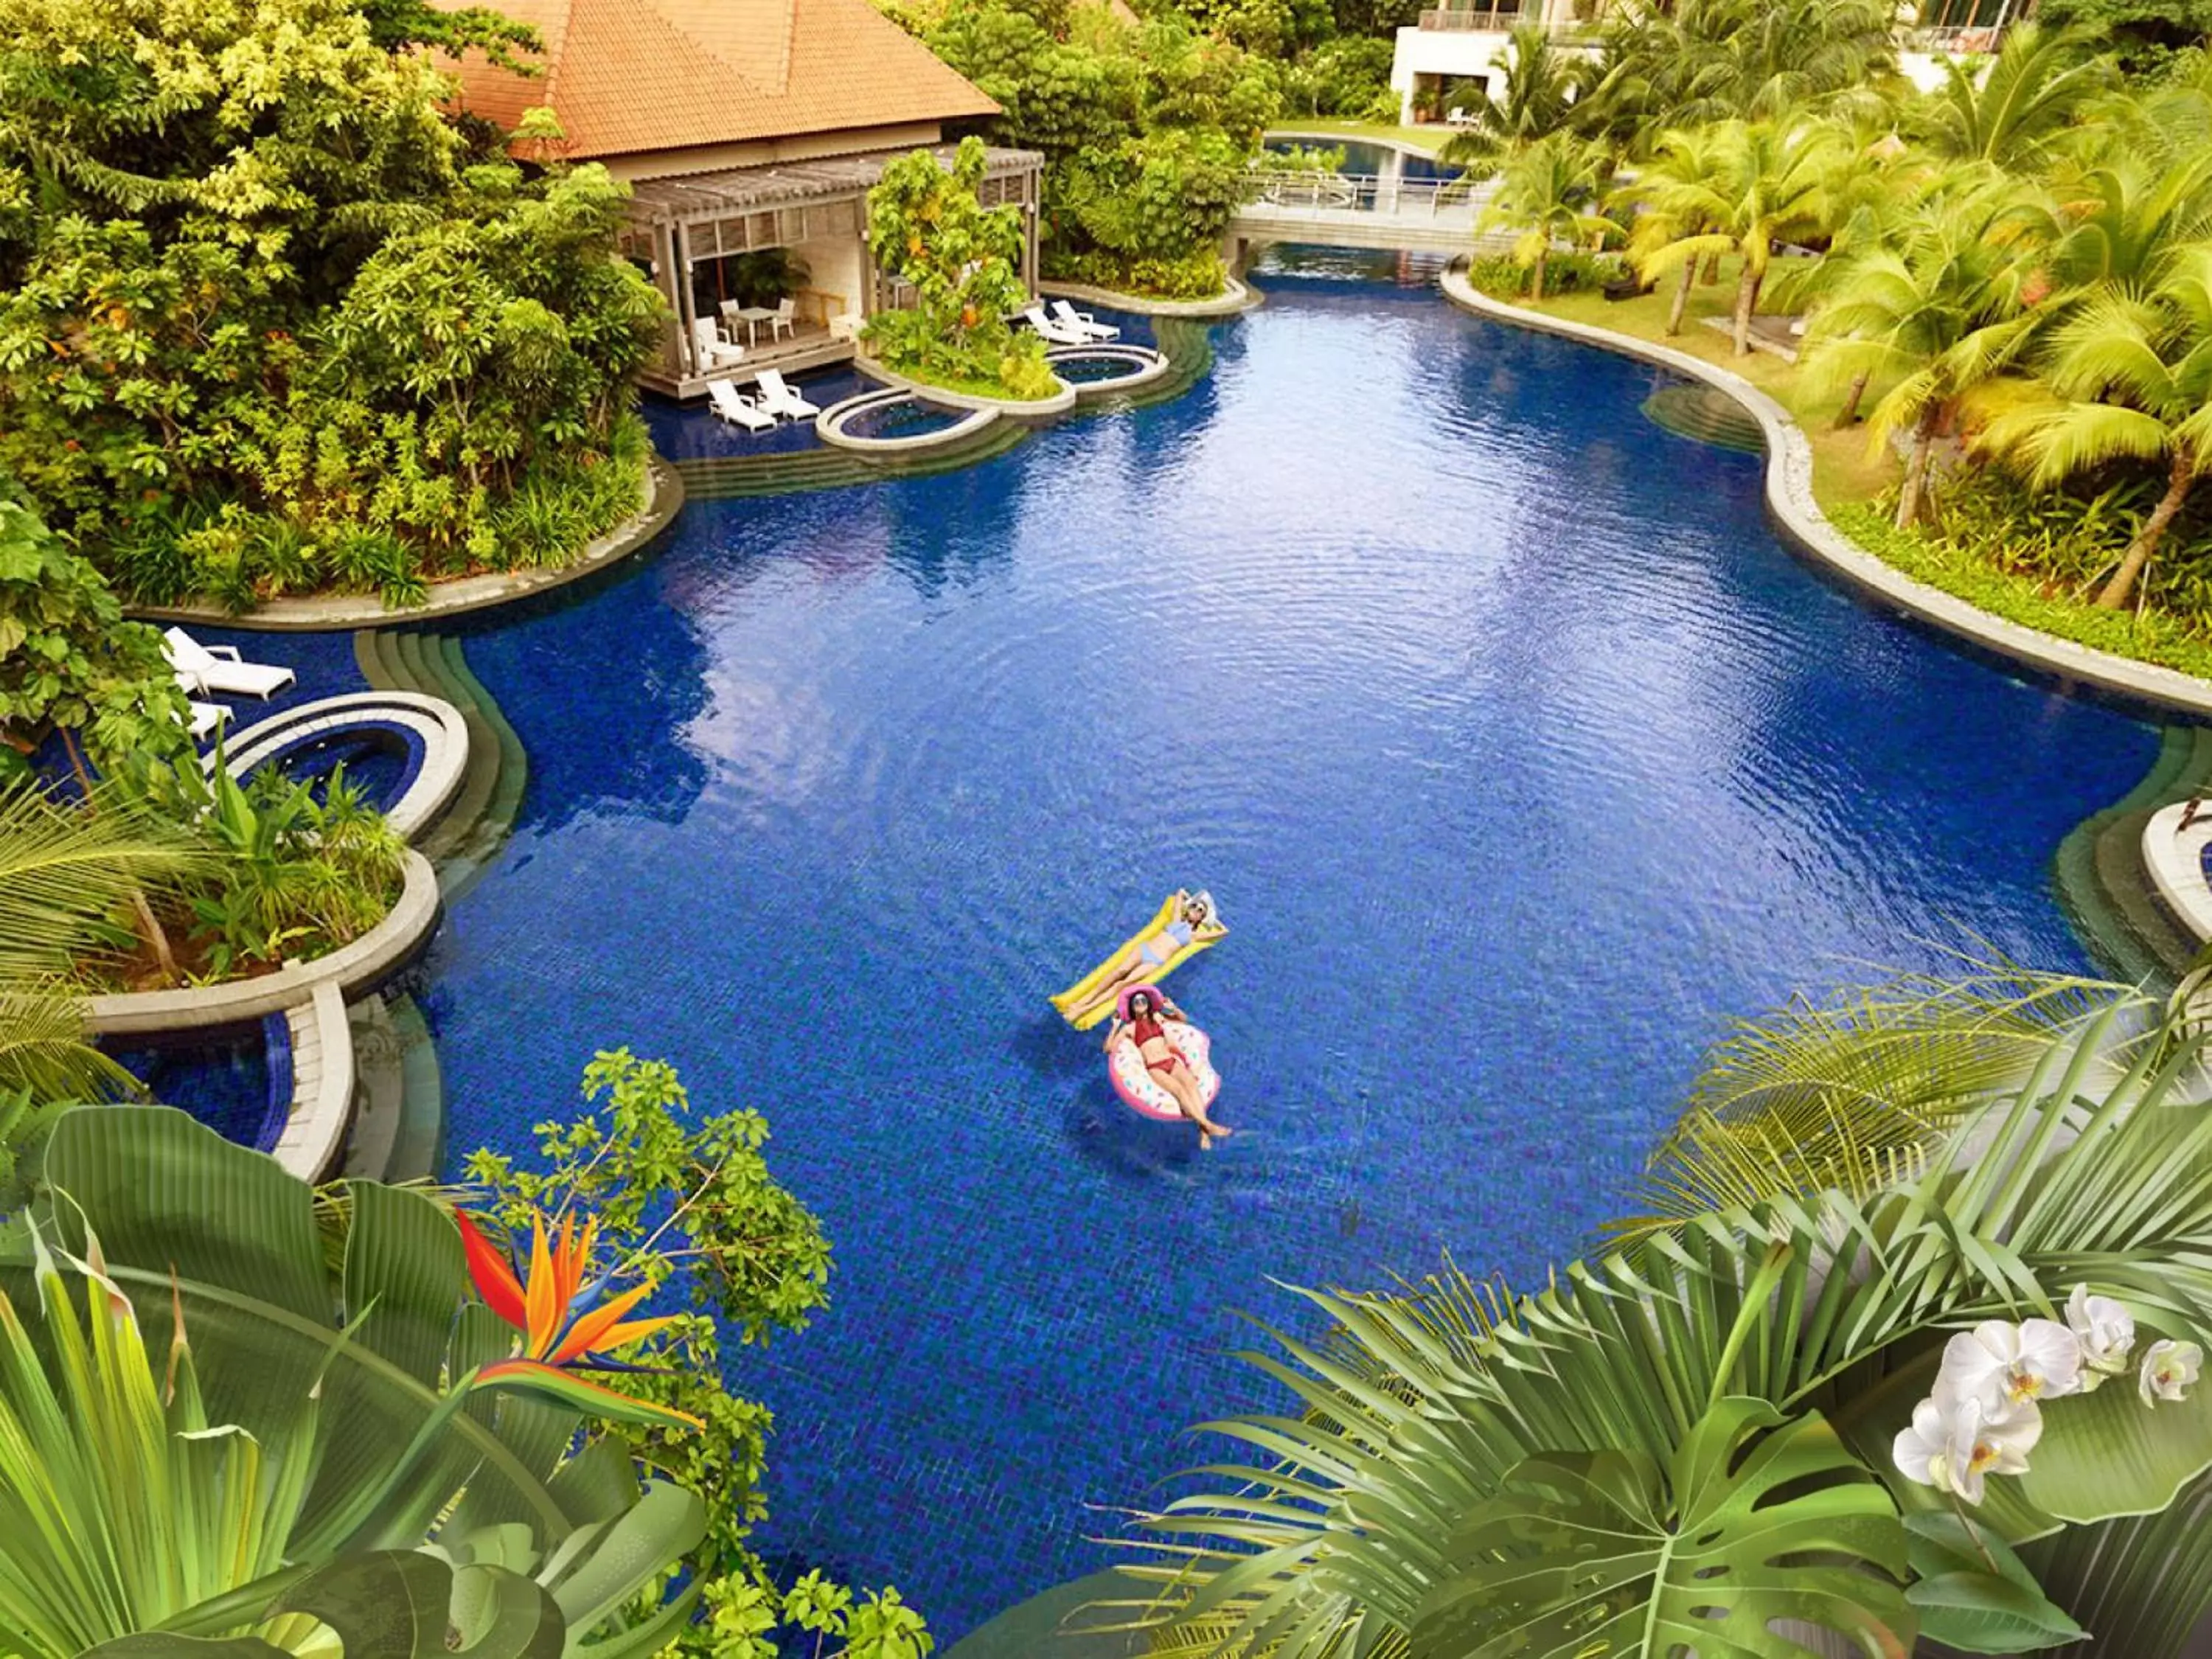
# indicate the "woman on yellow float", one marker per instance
pixel 1187 924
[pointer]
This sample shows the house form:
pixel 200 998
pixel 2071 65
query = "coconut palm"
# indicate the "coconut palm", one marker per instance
pixel 2126 219
pixel 1455 1440
pixel 1767 185
pixel 1542 83
pixel 2011 111
pixel 2132 379
pixel 1673 198
pixel 1937 310
pixel 1548 193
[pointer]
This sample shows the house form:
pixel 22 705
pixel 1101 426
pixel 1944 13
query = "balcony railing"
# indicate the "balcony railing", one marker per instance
pixel 1953 41
pixel 1498 20
pixel 1361 193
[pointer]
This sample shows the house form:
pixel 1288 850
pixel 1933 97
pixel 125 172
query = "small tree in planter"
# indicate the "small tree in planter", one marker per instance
pixel 927 229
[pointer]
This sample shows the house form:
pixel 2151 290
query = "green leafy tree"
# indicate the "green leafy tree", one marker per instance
pixel 68 660
pixel 2131 376
pixel 2147 35
pixel 927 229
pixel 1548 193
pixel 689 1202
pixel 238 334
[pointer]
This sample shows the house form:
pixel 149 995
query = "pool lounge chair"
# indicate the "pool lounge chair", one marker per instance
pixel 715 352
pixel 1056 333
pixel 204 719
pixel 778 399
pixel 737 408
pixel 220 671
pixel 1082 323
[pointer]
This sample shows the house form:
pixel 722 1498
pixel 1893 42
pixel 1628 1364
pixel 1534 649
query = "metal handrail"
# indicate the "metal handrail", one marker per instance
pixel 1959 41
pixel 1361 193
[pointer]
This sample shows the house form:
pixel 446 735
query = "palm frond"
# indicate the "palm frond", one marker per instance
pixel 63 870
pixel 43 1051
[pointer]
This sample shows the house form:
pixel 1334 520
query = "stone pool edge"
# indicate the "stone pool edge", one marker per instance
pixel 1237 297
pixel 1791 502
pixel 660 499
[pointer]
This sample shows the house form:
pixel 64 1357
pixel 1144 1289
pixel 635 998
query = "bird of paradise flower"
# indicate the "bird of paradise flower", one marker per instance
pixel 563 1322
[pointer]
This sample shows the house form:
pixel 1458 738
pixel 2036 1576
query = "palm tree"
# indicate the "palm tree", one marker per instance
pixel 65 872
pixel 1547 192
pixel 2012 113
pixel 2133 381
pixel 1672 199
pixel 1939 310
pixel 1542 83
pixel 1471 1470
pixel 1768 184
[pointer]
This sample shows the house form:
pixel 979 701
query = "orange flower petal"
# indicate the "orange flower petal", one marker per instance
pixel 542 1295
pixel 585 1334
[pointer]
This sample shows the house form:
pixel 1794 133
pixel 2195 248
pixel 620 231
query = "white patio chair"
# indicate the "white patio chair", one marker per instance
pixel 1082 323
pixel 715 352
pixel 779 399
pixel 786 320
pixel 1050 330
pixel 734 407
pixel 219 670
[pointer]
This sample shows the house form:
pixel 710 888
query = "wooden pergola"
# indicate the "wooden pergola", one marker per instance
pixel 679 222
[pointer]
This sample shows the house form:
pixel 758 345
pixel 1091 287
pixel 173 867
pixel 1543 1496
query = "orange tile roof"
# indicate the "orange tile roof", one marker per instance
pixel 631 76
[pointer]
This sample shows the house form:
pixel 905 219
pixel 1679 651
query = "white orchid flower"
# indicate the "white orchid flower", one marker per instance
pixel 2168 1369
pixel 1953 1444
pixel 2106 1332
pixel 2003 1365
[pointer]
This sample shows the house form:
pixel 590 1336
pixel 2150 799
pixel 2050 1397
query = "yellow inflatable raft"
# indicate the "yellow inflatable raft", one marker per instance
pixel 1085 1003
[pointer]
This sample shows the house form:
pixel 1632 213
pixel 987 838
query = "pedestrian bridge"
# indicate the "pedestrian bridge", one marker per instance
pixel 1355 209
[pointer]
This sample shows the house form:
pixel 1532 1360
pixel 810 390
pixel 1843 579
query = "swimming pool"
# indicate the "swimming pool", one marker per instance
pixel 1518 751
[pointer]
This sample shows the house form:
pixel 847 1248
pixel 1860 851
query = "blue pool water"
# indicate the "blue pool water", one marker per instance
pixel 1518 751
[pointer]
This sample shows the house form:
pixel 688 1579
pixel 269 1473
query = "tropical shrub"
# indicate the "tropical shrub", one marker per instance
pixel 1505 278
pixel 1146 127
pixel 304 1413
pixel 928 231
pixel 1199 275
pixel 268 321
pixel 69 663
pixel 1347 76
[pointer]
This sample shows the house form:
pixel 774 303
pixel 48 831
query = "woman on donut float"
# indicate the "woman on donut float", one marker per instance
pixel 1168 1068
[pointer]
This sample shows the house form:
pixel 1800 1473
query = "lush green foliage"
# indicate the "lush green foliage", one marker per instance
pixel 298 1416
pixel 269 323
pixel 690 1201
pixel 68 660
pixel 927 230
pixel 1548 191
pixel 1146 130
pixel 1349 75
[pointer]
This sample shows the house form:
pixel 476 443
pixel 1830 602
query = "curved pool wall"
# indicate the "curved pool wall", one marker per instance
pixel 1519 752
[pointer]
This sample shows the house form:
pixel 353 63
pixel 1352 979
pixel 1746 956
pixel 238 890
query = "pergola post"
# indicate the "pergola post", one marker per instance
pixel 687 310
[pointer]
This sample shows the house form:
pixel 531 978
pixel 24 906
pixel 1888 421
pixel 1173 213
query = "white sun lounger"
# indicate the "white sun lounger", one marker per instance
pixel 779 399
pixel 738 409
pixel 1082 323
pixel 1058 333
pixel 715 352
pixel 219 670
pixel 204 719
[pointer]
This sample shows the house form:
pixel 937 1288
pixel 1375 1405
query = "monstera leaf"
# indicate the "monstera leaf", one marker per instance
pixel 1762 1522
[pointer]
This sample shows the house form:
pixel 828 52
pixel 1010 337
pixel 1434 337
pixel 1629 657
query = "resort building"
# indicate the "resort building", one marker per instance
pixel 747 128
pixel 1458 51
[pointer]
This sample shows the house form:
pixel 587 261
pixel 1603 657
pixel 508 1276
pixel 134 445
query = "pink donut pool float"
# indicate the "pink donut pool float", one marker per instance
pixel 1132 1080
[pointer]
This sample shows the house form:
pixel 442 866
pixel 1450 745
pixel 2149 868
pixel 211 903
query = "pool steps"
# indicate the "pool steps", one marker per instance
pixel 1707 414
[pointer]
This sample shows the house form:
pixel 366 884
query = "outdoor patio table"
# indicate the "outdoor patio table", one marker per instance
pixel 752 317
